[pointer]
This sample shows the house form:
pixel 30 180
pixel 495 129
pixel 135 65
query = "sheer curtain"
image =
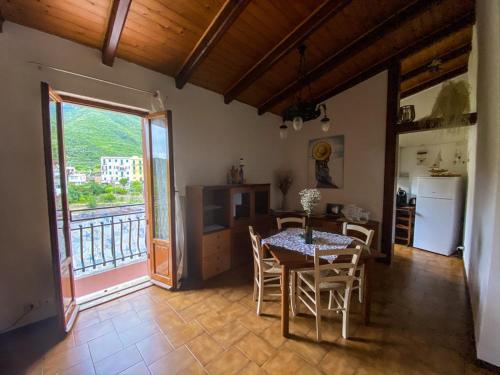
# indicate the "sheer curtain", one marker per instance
pixel 180 244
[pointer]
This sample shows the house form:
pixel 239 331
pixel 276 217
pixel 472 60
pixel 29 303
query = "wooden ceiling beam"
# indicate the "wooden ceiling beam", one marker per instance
pixel 434 81
pixel 444 57
pixel 228 13
pixel 390 24
pixel 316 19
pixel 423 42
pixel 117 18
pixel 1 21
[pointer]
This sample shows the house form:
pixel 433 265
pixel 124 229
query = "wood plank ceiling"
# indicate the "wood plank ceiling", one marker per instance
pixel 246 49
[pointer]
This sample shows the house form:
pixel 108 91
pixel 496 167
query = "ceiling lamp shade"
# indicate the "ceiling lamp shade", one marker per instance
pixel 302 110
pixel 283 131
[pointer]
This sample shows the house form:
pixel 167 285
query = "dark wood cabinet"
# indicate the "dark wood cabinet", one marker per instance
pixel 217 225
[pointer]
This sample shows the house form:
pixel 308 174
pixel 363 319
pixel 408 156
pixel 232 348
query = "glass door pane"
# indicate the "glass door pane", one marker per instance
pixel 56 176
pixel 160 179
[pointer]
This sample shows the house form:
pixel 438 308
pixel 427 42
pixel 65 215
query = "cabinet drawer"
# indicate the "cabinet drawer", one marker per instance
pixel 215 243
pixel 217 263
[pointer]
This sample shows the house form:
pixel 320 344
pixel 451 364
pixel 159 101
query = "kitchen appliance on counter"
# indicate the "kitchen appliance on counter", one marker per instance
pixel 401 198
pixel 438 214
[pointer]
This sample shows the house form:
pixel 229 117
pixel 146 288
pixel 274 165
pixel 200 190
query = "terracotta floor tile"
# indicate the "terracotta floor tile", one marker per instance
pixel 154 347
pixel 173 363
pixel 285 362
pixel 252 369
pixel 228 363
pixel 66 359
pixel 205 348
pixel 105 346
pixel 83 368
pixel 230 334
pixel 234 295
pixel 153 311
pixel 256 349
pixel 94 331
pixel 126 321
pixel 194 369
pixel 137 369
pixel 114 310
pixel 118 362
pixel 138 333
pixel 66 343
pixel 254 323
pixel 86 318
pixel 341 361
pixel 307 348
pixel 273 335
pixel 214 321
pixel 183 334
pixel 169 321
pixel 192 312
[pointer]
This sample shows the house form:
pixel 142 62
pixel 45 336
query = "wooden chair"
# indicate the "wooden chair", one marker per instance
pixel 267 273
pixel 335 278
pixel 285 220
pixel 360 271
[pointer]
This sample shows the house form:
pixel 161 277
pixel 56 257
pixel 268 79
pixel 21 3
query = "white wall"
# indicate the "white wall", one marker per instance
pixel 483 262
pixel 434 142
pixel 209 136
pixel 360 115
pixel 424 100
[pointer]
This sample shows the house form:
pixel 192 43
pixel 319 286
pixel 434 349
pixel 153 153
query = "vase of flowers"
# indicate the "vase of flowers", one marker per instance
pixel 309 198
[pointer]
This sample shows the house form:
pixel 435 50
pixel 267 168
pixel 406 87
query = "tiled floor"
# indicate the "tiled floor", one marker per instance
pixel 420 325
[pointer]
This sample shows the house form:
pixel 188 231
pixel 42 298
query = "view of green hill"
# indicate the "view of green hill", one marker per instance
pixel 90 133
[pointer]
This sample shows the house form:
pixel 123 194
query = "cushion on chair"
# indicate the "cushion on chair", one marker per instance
pixel 325 285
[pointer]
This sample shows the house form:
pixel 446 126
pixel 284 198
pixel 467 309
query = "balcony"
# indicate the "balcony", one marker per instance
pixel 109 246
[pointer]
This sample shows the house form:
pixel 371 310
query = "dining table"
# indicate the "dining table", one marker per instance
pixel 290 251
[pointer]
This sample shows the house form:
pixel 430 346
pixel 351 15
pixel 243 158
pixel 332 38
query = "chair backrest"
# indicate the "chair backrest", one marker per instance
pixel 285 220
pixel 257 250
pixel 368 233
pixel 344 267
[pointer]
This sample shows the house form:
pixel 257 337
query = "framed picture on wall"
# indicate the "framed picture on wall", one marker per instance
pixel 325 163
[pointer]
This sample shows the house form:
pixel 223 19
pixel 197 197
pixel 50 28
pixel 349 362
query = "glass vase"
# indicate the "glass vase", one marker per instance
pixel 308 232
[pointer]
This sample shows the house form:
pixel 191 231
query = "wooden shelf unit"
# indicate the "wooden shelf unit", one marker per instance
pixel 405 221
pixel 217 220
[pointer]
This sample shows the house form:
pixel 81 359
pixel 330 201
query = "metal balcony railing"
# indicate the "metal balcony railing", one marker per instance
pixel 107 237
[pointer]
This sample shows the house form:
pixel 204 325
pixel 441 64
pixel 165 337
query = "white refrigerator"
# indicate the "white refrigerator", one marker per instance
pixel 438 214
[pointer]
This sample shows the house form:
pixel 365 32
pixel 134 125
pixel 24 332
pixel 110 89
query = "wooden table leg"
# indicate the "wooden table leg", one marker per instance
pixel 284 300
pixel 367 291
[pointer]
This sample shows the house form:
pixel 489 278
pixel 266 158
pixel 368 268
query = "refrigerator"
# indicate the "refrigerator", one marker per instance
pixel 438 214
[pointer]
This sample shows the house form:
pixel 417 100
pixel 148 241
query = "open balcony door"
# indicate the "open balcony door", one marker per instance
pixel 55 171
pixel 159 194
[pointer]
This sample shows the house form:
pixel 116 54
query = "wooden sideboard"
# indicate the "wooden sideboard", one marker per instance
pixel 217 220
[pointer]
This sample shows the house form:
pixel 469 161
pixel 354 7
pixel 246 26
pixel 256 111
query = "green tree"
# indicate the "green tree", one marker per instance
pixel 136 187
pixel 109 197
pixel 91 202
pixel 124 181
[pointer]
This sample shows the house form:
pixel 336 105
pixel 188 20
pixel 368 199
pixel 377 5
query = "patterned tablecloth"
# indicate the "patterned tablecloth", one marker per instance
pixel 293 239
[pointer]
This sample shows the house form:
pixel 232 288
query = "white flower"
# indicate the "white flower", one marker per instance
pixel 309 198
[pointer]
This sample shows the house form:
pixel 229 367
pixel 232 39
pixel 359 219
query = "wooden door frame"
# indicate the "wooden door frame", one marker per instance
pixel 148 192
pixel 46 94
pixel 392 131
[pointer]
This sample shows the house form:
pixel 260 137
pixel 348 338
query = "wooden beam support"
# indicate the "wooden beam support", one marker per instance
pixel 316 19
pixel 117 17
pixel 431 124
pixel 417 45
pixel 391 141
pixel 449 55
pixel 376 33
pixel 228 13
pixel 434 81
pixel 1 21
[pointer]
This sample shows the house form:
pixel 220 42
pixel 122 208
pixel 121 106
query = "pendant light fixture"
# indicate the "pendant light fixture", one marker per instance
pixel 303 109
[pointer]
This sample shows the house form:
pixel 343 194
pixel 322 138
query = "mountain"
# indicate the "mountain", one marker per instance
pixel 90 133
